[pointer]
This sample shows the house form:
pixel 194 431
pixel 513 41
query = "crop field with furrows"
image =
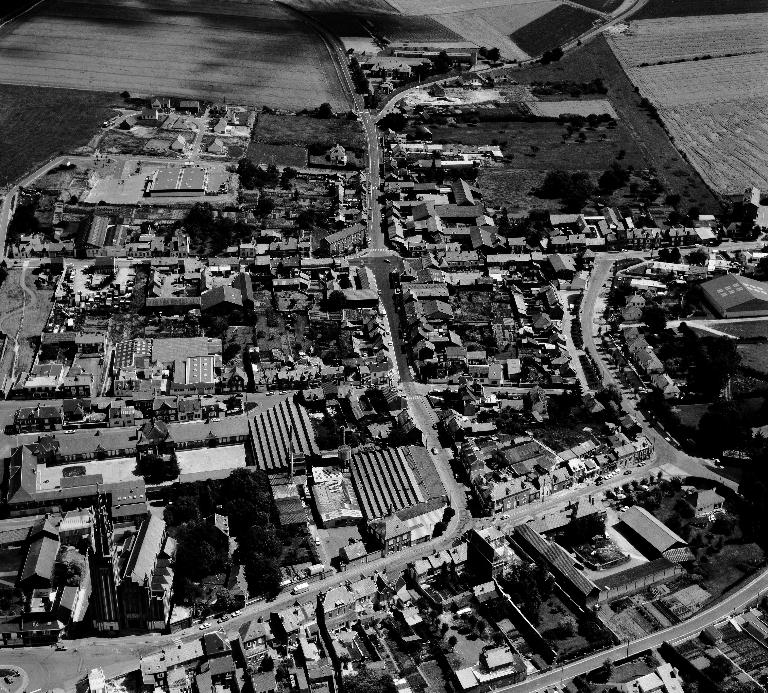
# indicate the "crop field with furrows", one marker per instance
pixel 553 29
pixel 714 108
pixel 655 41
pixel 727 141
pixel 492 26
pixel 363 18
pixel 704 81
pixel 692 8
pixel 254 52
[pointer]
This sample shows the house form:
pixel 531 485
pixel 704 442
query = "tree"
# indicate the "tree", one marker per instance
pixel 183 509
pixel 157 468
pixel 288 174
pixel 493 54
pixel 324 111
pixel 265 206
pixel 336 301
pixel 442 63
pixel 262 574
pixel 719 669
pixel 452 641
pixel 614 177
pixel 201 551
pixel 567 626
pixel 395 121
pixel 722 427
pixel 574 189
pixel 230 351
pixel 267 663
pixel 654 317
pixel 698 257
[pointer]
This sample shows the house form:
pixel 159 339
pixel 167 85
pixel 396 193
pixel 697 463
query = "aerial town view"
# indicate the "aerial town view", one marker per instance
pixel 383 346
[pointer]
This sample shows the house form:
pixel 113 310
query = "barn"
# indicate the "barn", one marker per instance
pixel 734 296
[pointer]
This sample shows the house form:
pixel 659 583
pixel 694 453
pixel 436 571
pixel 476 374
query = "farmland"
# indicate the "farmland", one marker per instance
pixel 553 29
pixel 493 26
pixel 656 41
pixel 39 123
pixel 691 8
pixel 714 107
pixel 643 134
pixel 606 6
pixel 253 52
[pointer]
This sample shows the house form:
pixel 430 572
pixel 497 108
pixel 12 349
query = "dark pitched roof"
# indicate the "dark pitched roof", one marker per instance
pixel 653 530
pixel 557 558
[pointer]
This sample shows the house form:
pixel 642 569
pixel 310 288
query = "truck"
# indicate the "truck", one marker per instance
pixel 301 587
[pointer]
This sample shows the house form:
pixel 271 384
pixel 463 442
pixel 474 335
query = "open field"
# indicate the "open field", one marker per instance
pixel 253 52
pixel 714 108
pixel 493 26
pixel 686 8
pixel 553 29
pixel 40 123
pixel 655 41
pixel 304 131
pixel 596 60
pixel 359 18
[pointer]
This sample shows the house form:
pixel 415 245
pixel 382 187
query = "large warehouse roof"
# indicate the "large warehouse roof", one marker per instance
pixel 733 293
pixel 652 530
pixel 393 479
pixel 279 427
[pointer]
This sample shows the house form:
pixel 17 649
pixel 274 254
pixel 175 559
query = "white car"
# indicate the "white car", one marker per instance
pixel 434 451
pixel 204 625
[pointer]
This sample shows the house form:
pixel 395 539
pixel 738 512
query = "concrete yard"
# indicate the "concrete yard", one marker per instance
pixel 210 463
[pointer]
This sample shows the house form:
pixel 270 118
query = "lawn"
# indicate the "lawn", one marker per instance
pixel 304 131
pixel 39 123
pixel 754 357
pixel 596 60
pixel 553 29
pixel 748 329
pixel 690 8
pixel 731 564
pixel 278 154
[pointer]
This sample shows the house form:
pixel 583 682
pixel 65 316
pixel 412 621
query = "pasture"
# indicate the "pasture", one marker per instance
pixel 553 29
pixel 252 52
pixel 40 123
pixel 713 99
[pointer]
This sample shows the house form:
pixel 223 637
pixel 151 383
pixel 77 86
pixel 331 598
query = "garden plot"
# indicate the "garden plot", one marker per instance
pixel 249 52
pixel 654 41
